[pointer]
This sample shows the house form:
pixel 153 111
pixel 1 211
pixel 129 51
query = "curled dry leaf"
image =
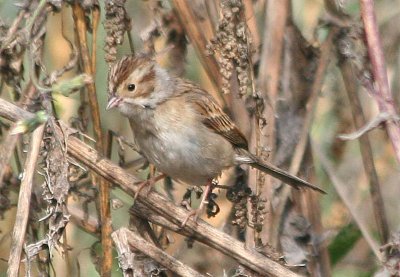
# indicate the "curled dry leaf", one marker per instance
pixel 56 187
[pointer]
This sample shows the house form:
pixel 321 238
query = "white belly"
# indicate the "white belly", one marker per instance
pixel 191 157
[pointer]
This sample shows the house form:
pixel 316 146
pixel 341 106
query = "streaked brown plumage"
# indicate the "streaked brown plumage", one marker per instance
pixel 179 127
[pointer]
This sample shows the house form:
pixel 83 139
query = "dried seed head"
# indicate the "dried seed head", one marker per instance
pixel 231 46
pixel 117 22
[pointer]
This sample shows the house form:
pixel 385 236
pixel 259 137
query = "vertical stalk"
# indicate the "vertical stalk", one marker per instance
pixel 366 151
pixel 104 194
pixel 382 93
pixel 276 16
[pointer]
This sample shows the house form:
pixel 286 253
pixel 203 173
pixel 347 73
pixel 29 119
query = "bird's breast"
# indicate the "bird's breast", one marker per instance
pixel 182 147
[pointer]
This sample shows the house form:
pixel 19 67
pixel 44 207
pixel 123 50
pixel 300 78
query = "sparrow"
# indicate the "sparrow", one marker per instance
pixel 179 127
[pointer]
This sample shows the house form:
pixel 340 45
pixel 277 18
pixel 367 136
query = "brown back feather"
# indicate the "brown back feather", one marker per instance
pixel 214 117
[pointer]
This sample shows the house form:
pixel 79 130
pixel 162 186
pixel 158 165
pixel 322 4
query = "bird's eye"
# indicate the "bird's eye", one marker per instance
pixel 131 87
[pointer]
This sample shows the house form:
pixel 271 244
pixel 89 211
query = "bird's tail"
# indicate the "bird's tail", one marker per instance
pixel 278 173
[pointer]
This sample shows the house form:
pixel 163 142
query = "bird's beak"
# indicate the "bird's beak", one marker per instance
pixel 113 102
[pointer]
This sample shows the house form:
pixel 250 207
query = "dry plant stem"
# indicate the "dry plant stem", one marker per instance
pixel 95 24
pixel 109 143
pixel 200 32
pixel 341 189
pixel 177 215
pixel 13 29
pixel 131 45
pixel 139 210
pixel 298 155
pixel 365 145
pixel 199 36
pixel 127 262
pixel 159 204
pixel 213 12
pixel 382 94
pixel 270 69
pixel 6 152
pixel 104 194
pixel 126 258
pixel 10 141
pixel 251 21
pixel 143 228
pixel 24 200
pixel 366 152
pixel 155 253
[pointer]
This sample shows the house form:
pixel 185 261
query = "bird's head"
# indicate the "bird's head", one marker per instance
pixel 132 82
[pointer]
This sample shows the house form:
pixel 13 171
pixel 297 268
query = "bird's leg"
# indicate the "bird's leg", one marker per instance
pixel 149 182
pixel 197 212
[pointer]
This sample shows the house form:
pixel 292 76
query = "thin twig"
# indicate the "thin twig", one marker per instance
pixel 382 93
pixel 366 151
pixel 349 75
pixel 251 21
pixel 24 200
pixel 32 19
pixel 10 141
pixel 12 30
pixel 140 210
pixel 95 25
pixel 131 45
pixel 104 194
pixel 199 33
pixel 155 253
pixel 276 15
pixel 369 126
pixel 199 36
pixel 160 204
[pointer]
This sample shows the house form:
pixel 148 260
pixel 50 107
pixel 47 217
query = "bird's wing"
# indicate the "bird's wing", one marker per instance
pixel 213 116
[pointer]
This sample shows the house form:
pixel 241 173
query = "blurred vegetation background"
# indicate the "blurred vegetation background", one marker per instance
pixel 350 254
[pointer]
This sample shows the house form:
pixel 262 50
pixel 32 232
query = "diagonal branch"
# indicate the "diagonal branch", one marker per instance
pixel 152 251
pixel 10 141
pixel 199 32
pixel 24 200
pixel 160 204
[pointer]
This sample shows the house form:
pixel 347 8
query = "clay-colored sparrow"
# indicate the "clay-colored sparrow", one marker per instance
pixel 179 127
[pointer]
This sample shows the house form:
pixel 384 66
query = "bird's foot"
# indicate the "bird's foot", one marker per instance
pixel 193 213
pixel 148 183
pixel 204 201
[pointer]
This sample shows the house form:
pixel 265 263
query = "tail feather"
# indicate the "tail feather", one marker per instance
pixel 278 173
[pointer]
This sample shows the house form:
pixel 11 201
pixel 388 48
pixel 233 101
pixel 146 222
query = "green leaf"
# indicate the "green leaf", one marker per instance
pixel 343 242
pixel 28 125
pixel 66 87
